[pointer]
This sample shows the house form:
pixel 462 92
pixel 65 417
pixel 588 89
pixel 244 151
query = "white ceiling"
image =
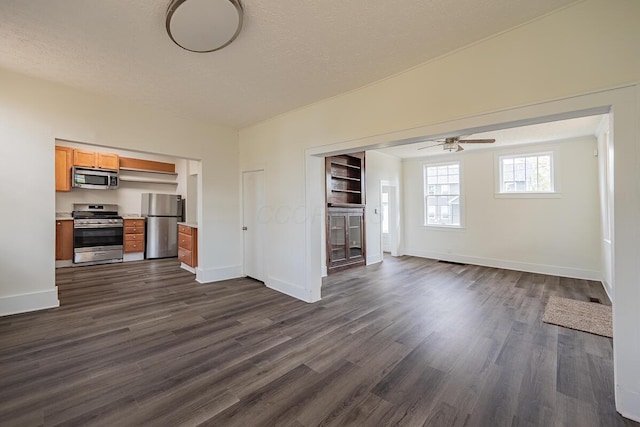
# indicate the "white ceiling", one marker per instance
pixel 290 52
pixel 543 132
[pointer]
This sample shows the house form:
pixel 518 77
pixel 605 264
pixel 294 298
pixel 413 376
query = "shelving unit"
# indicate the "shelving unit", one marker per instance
pixel 345 180
pixel 146 180
pixel 148 171
pixel 345 190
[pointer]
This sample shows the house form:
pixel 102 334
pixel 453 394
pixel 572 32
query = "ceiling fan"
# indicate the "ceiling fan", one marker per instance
pixel 453 143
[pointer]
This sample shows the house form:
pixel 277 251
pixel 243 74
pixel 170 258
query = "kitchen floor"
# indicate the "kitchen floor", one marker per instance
pixel 409 341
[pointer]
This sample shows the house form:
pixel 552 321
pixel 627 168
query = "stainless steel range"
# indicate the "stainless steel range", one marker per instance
pixel 98 234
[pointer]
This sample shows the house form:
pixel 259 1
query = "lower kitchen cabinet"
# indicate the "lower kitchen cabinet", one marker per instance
pixel 345 238
pixel 64 240
pixel 188 245
pixel 133 235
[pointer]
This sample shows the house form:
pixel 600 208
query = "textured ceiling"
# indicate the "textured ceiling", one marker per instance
pixel 289 54
pixel 542 132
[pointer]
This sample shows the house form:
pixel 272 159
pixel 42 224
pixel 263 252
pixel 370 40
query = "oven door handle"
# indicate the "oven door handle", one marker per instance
pixel 98 226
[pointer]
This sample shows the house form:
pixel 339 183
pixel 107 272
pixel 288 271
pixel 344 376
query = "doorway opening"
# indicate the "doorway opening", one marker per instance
pixel 389 217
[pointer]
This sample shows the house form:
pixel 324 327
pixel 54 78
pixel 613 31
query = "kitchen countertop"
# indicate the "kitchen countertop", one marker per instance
pixel 131 216
pixel 67 215
pixel 189 224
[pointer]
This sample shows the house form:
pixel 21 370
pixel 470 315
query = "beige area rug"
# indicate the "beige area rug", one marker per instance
pixel 584 316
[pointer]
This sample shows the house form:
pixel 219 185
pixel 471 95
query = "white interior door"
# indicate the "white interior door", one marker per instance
pixel 384 216
pixel 389 218
pixel 253 203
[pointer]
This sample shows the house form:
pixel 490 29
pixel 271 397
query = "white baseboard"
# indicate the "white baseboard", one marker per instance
pixel 628 403
pixel 64 263
pixel 24 303
pixel 607 289
pixel 137 256
pixel 188 268
pixel 554 270
pixel 374 259
pixel 208 275
pixel 292 290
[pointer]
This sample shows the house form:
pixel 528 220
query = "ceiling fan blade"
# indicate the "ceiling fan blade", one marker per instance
pixel 476 141
pixel 431 146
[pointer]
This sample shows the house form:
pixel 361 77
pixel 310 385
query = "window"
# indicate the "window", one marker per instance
pixel 442 194
pixel 527 173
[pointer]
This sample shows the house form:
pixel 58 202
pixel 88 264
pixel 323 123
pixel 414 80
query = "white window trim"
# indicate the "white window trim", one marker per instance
pixel 526 152
pixel 442 227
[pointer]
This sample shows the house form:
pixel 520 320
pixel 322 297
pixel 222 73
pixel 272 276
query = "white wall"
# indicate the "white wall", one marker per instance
pixel 582 49
pixel 379 167
pixel 33 113
pixel 555 235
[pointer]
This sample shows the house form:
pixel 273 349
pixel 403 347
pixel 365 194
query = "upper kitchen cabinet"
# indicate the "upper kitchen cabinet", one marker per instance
pixel 91 159
pixel 108 161
pixel 84 158
pixel 64 161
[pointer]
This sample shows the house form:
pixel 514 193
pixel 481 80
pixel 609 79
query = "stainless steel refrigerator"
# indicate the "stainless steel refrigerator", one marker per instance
pixel 162 213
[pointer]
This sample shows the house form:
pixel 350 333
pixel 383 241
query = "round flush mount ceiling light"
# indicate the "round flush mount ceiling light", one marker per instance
pixel 204 25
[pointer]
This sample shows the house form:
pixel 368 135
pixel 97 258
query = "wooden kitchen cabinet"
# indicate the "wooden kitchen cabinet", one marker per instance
pixel 92 159
pixel 64 161
pixel 188 245
pixel 108 161
pixel 64 239
pixel 84 158
pixel 133 235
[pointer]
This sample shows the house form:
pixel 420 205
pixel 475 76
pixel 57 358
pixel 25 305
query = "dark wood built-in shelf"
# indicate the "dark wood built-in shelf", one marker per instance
pixel 345 180
pixel 337 190
pixel 345 177
pixel 333 162
pixel 345 185
pixel 344 205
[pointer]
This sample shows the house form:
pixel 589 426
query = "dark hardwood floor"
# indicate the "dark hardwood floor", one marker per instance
pixel 407 342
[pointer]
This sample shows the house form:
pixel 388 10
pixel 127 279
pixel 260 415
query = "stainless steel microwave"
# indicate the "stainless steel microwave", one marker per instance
pixel 98 179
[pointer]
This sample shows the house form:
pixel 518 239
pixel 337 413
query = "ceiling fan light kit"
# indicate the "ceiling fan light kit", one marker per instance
pixel 204 25
pixel 453 143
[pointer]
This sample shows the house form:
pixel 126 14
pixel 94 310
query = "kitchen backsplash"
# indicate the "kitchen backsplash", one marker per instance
pixel 127 199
